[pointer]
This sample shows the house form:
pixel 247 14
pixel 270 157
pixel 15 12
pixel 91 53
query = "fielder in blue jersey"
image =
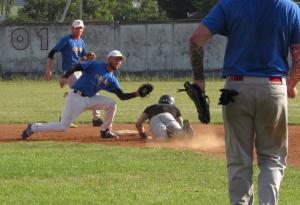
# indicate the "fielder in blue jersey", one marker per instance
pixel 260 34
pixel 73 51
pixel 96 76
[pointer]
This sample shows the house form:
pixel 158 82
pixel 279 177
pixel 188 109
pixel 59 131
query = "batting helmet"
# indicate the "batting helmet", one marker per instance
pixel 166 99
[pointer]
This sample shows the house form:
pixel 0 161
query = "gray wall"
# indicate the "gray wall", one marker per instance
pixel 148 46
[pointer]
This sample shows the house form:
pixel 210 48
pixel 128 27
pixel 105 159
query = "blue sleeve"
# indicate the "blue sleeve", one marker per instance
pixel 61 44
pixel 215 20
pixel 295 37
pixel 113 84
pixel 86 66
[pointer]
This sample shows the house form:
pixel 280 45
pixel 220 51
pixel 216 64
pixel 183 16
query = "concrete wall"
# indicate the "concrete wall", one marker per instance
pixel 148 46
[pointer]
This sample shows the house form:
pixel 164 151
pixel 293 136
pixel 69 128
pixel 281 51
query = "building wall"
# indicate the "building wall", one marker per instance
pixel 147 46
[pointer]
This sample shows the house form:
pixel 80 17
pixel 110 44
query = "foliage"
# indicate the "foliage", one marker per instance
pixel 203 6
pixel 9 6
pixel 177 9
pixel 101 10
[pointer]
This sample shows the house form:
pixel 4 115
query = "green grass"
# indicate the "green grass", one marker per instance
pixel 39 101
pixel 71 173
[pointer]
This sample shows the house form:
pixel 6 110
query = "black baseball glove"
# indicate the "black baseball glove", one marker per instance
pixel 145 90
pixel 200 100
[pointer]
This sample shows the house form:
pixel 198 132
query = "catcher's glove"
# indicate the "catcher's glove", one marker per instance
pixel 200 100
pixel 145 90
pixel 90 56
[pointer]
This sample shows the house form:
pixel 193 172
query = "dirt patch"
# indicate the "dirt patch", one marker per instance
pixel 209 139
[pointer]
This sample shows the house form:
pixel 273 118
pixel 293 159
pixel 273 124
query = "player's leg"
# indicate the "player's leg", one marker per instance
pixel 271 140
pixel 96 120
pixel 74 105
pixel 109 106
pixel 157 128
pixel 239 139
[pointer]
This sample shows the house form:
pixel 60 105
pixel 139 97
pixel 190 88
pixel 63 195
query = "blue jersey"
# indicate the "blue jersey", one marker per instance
pixel 259 35
pixel 71 51
pixel 95 78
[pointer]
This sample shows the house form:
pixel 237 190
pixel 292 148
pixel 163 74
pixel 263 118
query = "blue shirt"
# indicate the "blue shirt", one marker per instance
pixel 95 78
pixel 71 51
pixel 259 35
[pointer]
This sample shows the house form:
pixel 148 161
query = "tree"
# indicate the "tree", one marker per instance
pixel 177 9
pixel 7 11
pixel 203 6
pixel 101 10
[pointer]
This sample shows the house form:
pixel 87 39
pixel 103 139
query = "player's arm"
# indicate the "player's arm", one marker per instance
pixel 139 125
pixel 294 76
pixel 124 96
pixel 196 42
pixel 48 73
pixel 68 73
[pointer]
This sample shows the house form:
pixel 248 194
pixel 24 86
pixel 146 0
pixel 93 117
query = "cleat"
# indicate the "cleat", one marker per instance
pixel 187 128
pixel 97 123
pixel 107 134
pixel 27 132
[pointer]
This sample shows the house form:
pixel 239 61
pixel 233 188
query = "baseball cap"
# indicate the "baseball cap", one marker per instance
pixel 115 53
pixel 77 23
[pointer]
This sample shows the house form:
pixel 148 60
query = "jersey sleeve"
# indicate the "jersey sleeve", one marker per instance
pixel 215 19
pixel 295 37
pixel 113 84
pixel 61 44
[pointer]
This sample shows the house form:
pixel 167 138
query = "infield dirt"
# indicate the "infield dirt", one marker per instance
pixel 209 138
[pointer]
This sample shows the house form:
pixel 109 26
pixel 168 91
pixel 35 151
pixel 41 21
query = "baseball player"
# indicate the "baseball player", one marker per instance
pixel 96 76
pixel 165 120
pixel 73 51
pixel 254 99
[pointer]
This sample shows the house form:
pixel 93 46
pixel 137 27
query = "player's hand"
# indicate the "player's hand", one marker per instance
pixel 48 74
pixel 292 91
pixel 63 82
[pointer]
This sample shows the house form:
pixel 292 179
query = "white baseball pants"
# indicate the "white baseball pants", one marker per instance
pixel 159 123
pixel 76 104
pixel 257 117
pixel 71 80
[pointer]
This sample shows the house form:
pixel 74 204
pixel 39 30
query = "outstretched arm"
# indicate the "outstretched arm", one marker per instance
pixel 139 125
pixel 125 96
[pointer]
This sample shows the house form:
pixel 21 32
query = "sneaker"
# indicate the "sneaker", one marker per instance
pixel 27 132
pixel 73 125
pixel 188 128
pixel 97 123
pixel 107 134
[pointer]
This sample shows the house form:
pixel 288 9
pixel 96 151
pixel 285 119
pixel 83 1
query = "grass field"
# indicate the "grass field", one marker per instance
pixel 40 101
pixel 75 173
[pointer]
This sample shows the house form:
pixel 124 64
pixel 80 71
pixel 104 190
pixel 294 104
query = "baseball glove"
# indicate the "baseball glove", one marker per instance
pixel 200 100
pixel 90 56
pixel 145 90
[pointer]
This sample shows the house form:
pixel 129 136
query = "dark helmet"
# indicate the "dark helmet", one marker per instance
pixel 166 99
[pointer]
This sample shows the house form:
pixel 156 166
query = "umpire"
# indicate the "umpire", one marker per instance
pixel 260 34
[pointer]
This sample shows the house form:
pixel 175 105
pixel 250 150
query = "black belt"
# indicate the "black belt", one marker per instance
pixel 78 92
